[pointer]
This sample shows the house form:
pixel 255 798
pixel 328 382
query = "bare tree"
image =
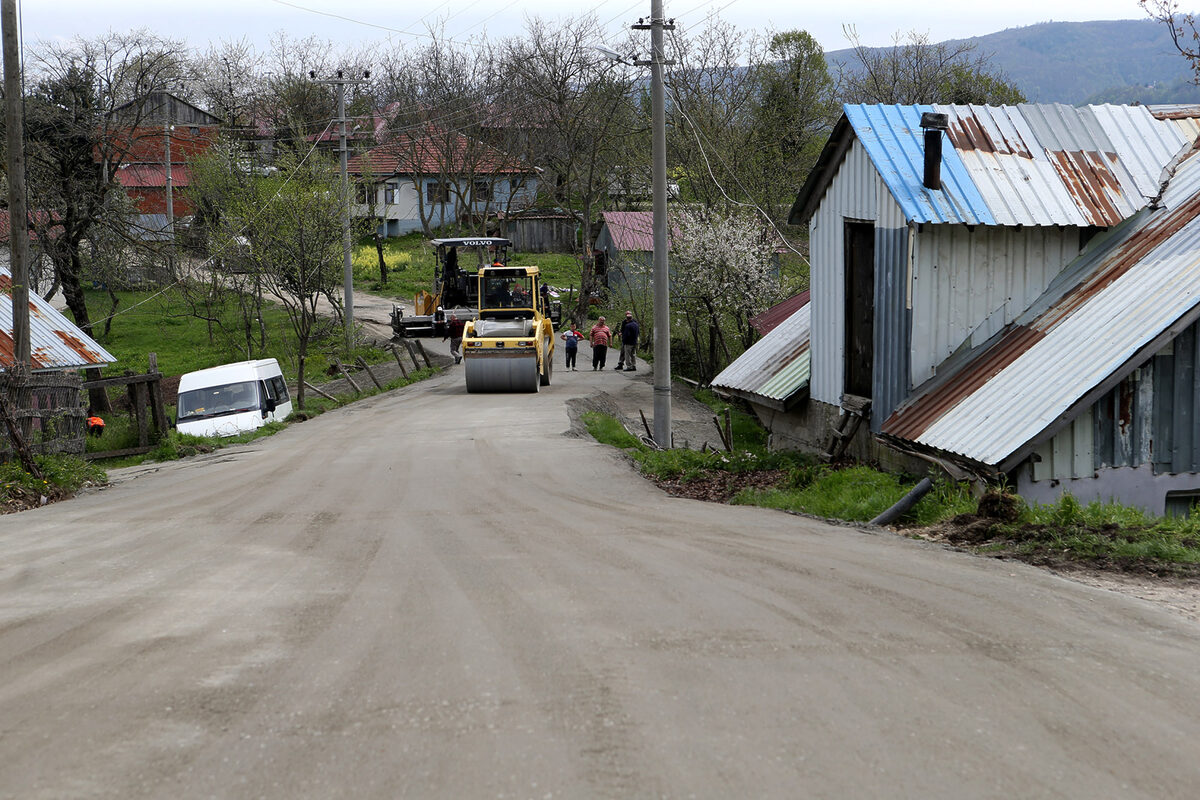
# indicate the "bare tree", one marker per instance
pixel 583 126
pixel 85 116
pixel 916 70
pixel 1182 26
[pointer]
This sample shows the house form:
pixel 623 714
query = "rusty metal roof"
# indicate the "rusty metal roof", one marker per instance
pixel 55 342
pixel 630 230
pixel 768 320
pixel 776 368
pixel 1028 164
pixel 1133 290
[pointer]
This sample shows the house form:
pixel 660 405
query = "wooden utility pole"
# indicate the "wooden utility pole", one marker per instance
pixel 18 214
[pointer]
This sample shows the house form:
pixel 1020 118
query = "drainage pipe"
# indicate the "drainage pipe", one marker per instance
pixel 908 501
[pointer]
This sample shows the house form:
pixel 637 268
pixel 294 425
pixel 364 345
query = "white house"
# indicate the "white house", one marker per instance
pixel 435 179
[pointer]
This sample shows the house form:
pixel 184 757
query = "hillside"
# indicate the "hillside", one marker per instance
pixel 1077 62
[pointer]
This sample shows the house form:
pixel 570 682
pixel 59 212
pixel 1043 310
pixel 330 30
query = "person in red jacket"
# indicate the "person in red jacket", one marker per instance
pixel 600 335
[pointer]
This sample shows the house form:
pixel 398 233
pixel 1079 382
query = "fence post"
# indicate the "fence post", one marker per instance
pixel 399 363
pixel 342 369
pixel 158 408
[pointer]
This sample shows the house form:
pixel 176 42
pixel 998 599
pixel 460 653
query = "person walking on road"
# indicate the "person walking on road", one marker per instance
pixel 629 340
pixel 599 336
pixel 454 332
pixel 572 337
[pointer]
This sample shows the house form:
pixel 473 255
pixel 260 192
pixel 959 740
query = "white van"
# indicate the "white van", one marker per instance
pixel 233 398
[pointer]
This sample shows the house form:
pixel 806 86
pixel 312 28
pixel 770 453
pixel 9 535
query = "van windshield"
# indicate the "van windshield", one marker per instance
pixel 216 401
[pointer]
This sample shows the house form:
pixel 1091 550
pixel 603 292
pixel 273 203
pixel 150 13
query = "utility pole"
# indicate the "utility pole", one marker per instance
pixel 662 279
pixel 347 259
pixel 18 214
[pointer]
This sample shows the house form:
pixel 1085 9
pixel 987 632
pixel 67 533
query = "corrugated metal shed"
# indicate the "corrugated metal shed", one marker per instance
pixel 55 342
pixel 1108 312
pixel 1016 165
pixel 775 370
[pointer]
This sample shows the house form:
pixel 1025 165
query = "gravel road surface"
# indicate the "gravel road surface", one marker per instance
pixel 431 594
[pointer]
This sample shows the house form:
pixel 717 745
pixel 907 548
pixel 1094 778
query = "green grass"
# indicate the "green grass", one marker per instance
pixel 859 494
pixel 64 475
pixel 163 323
pixel 748 433
pixel 1100 532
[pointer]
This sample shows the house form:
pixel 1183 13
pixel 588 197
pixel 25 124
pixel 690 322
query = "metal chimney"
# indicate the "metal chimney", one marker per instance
pixel 934 124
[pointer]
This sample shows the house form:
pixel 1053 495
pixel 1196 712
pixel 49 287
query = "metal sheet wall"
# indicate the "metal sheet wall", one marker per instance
pixel 852 195
pixel 893 318
pixel 1176 389
pixel 1070 454
pixel 1150 418
pixel 971 283
pixel 1122 419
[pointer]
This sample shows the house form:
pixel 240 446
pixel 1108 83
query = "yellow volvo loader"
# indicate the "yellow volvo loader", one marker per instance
pixel 510 346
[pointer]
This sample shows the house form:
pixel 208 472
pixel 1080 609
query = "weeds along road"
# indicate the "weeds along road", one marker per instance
pixel 436 595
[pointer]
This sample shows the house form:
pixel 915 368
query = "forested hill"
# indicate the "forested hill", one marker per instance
pixel 1087 62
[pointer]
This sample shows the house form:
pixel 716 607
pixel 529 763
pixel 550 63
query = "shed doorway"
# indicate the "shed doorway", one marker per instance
pixel 860 307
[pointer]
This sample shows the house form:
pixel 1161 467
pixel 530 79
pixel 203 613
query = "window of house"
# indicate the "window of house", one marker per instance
pixel 389 193
pixel 482 193
pixel 437 192
pixel 364 192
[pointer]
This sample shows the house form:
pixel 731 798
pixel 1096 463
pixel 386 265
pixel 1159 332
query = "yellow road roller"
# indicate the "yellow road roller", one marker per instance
pixel 510 346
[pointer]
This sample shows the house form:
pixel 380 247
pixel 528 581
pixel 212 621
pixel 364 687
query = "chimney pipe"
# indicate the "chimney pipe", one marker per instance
pixel 934 124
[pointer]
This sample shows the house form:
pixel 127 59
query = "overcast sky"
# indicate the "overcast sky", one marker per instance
pixel 202 21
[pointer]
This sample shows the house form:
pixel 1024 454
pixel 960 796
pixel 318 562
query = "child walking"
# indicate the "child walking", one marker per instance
pixel 572 337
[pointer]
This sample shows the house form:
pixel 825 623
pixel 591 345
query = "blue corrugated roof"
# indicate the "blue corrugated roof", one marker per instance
pixel 894 141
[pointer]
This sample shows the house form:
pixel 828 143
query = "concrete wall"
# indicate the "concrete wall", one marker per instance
pixel 1131 486
pixel 808 427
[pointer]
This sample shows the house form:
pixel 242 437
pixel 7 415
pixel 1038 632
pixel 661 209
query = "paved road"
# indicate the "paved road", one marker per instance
pixel 436 595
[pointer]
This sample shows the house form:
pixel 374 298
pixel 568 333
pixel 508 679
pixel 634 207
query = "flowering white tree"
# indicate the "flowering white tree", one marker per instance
pixel 724 273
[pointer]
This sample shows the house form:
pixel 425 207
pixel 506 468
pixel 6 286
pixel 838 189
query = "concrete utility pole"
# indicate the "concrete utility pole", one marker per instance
pixel 18 215
pixel 343 152
pixel 662 278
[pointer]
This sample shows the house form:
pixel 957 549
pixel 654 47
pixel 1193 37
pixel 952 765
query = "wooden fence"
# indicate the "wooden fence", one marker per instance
pixel 146 404
pixel 46 410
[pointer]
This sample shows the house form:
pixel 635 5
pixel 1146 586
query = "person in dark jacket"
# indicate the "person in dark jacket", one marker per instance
pixel 454 332
pixel 629 339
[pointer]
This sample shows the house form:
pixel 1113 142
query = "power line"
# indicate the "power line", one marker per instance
pixel 229 243
pixel 696 133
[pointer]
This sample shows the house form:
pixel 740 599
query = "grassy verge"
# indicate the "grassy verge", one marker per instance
pixel 1066 533
pixel 64 475
pixel 792 481
pixel 165 324
pixel 1097 534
